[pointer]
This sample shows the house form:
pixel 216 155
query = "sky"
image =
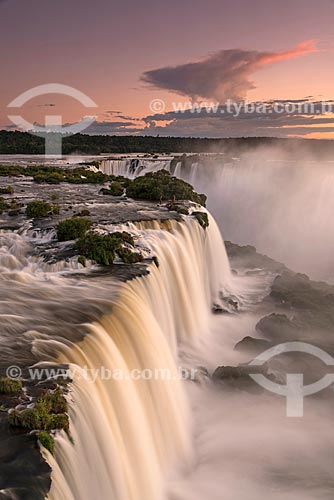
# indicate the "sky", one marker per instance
pixel 142 63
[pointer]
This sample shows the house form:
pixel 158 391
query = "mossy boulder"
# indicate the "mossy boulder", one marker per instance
pixel 129 257
pixel 84 213
pixel 104 248
pixel 7 190
pixel 161 186
pixel 177 207
pixel 3 205
pixel 115 189
pixel 48 413
pixel 71 229
pixel 202 218
pixel 47 441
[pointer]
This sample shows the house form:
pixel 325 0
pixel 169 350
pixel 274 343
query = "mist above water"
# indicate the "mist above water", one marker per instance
pixel 280 202
pixel 284 208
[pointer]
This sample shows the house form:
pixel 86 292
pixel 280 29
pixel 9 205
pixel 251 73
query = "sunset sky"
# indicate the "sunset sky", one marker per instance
pixel 126 54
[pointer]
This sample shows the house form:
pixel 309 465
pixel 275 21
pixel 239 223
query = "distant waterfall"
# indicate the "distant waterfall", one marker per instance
pixel 284 208
pixel 132 167
pixel 131 435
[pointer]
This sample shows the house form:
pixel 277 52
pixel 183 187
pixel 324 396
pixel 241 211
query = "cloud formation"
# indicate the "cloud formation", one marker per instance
pixel 223 75
pixel 284 118
pixel 223 123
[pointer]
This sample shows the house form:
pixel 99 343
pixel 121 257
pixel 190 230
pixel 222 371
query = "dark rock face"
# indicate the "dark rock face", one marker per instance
pixel 251 345
pixel 311 301
pixel 237 377
pixel 23 469
pixel 247 257
pixel 302 311
pixel 278 328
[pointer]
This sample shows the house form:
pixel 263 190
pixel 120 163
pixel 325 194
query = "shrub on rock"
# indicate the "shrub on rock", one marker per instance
pixel 38 208
pixel 161 186
pixel 47 414
pixel 71 229
pixel 103 248
pixel 7 190
pixel 47 441
pixel 115 189
pixel 202 218
pixel 9 386
pixel 3 205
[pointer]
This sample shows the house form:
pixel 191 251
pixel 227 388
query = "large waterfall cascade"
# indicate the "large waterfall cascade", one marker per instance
pixel 131 435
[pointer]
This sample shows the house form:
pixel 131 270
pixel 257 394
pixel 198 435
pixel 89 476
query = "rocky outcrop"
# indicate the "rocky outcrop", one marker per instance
pixel 237 377
pixel 252 346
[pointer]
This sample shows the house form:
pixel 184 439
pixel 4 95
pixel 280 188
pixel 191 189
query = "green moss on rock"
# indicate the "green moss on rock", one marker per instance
pixel 38 208
pixel 48 413
pixel 161 186
pixel 7 190
pixel 82 260
pixel 3 205
pixel 115 189
pixel 104 248
pixel 71 229
pixel 10 386
pixel 47 441
pixel 202 218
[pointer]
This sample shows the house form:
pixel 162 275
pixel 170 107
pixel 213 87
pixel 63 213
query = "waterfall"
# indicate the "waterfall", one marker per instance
pixel 132 167
pixel 283 207
pixel 130 435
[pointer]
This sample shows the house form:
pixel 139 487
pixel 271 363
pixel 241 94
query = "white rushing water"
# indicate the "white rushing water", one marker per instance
pixel 282 207
pixel 160 438
pixel 131 435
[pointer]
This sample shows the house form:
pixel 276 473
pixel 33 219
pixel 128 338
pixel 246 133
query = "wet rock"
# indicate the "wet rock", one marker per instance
pixel 247 257
pixel 218 309
pixel 237 377
pixel 251 345
pixel 279 328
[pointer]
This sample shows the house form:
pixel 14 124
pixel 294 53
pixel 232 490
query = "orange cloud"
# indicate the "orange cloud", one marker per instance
pixel 301 49
pixel 222 75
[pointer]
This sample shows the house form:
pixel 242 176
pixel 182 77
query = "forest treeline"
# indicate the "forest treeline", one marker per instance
pixel 25 143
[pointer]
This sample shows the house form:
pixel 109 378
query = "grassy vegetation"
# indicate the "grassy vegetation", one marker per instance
pixel 104 248
pixel 48 413
pixel 54 175
pixel 10 386
pixel 3 205
pixel 7 190
pixel 47 441
pixel 161 186
pixel 202 218
pixel 38 208
pixel 71 229
pixel 115 189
